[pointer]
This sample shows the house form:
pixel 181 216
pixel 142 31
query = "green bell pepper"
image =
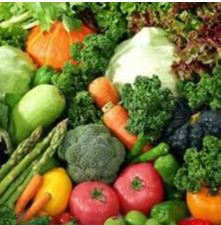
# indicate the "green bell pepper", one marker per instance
pixel 169 212
pixel 167 167
pixel 43 75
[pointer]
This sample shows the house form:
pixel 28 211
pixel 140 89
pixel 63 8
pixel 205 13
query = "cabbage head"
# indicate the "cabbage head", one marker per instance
pixel 16 71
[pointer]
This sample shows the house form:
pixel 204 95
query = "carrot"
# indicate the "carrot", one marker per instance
pixel 29 193
pixel 37 206
pixel 116 120
pixel 103 91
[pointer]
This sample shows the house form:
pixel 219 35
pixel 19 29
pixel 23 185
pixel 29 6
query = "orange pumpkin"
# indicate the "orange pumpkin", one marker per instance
pixel 52 47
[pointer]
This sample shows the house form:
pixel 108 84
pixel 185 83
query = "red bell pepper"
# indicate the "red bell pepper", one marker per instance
pixel 194 222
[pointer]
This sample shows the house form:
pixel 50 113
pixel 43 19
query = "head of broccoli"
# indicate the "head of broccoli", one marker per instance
pixel 92 153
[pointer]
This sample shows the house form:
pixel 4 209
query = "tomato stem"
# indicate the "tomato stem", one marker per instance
pixel 137 183
pixel 98 195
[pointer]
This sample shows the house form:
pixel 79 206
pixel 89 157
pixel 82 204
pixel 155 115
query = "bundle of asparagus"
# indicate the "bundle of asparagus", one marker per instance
pixel 28 160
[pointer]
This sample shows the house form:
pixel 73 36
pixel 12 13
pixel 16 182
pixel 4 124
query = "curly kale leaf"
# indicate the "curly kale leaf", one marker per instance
pixel 82 110
pixel 201 168
pixel 7 216
pixel 149 106
pixel 13 36
pixel 205 92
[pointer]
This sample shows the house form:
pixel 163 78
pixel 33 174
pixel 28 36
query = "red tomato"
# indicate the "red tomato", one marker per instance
pixel 91 203
pixel 62 219
pixel 139 187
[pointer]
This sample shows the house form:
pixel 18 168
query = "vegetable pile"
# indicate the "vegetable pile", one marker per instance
pixel 110 113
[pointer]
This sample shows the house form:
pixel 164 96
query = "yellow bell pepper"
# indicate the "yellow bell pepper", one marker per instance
pixel 57 183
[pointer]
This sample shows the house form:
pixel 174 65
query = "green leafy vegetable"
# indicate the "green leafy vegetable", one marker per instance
pixel 7 216
pixel 92 153
pixel 16 71
pixel 201 168
pixel 205 92
pixel 13 36
pixel 82 110
pixel 42 220
pixel 149 106
pixel 27 15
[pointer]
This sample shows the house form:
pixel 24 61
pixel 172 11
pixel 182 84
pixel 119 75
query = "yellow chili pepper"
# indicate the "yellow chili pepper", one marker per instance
pixel 57 183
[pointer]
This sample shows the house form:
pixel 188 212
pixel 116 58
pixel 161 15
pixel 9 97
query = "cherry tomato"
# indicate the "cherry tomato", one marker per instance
pixel 194 222
pixel 62 219
pixel 139 187
pixel 91 203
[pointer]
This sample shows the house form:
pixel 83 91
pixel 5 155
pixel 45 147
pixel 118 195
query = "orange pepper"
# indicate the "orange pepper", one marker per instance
pixel 205 206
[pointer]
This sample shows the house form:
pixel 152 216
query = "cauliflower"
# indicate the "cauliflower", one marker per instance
pixel 92 153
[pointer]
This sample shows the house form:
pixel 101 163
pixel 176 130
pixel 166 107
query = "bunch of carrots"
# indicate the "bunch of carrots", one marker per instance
pixel 115 117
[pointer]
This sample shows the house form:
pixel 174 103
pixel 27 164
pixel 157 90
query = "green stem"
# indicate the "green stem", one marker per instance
pixel 140 144
pixel 30 25
pixel 137 184
pixel 15 19
pixel 159 150
pixel 97 194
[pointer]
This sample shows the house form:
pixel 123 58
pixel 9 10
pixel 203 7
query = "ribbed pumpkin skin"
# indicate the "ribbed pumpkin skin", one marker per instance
pixel 52 47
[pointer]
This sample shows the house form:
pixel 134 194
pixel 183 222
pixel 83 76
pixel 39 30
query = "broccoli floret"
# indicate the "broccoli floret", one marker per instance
pixel 43 220
pixel 82 110
pixel 7 216
pixel 92 153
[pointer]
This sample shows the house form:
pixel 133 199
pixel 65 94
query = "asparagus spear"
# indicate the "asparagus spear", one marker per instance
pixel 13 187
pixel 55 142
pixel 22 149
pixel 37 150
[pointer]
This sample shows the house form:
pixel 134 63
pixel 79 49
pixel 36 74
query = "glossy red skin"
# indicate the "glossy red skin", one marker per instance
pixel 194 222
pixel 62 219
pixel 89 211
pixel 143 200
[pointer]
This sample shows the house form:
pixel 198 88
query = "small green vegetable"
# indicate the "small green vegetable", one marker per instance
pixel 92 153
pixel 115 221
pixel 169 212
pixel 135 217
pixel 140 144
pixel 149 106
pixel 152 222
pixel 7 216
pixel 167 167
pixel 43 75
pixel 159 150
pixel 201 167
pixel 43 220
